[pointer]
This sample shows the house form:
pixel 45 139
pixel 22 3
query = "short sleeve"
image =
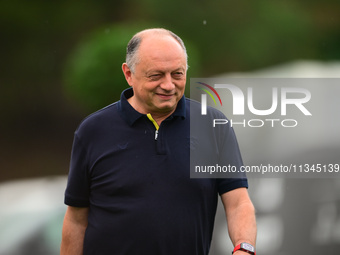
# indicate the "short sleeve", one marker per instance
pixel 225 185
pixel 230 155
pixel 77 190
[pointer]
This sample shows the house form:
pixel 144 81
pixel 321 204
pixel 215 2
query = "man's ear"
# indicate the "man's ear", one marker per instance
pixel 127 73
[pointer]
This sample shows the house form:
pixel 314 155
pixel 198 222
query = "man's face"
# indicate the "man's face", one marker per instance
pixel 160 75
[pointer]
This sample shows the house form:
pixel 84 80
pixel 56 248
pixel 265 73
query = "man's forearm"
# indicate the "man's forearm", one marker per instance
pixel 242 224
pixel 74 227
pixel 72 241
pixel 240 214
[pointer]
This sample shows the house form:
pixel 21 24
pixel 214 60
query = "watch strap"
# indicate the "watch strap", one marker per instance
pixel 245 247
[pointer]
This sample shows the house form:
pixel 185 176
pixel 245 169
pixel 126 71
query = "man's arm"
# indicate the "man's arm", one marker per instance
pixel 75 223
pixel 240 214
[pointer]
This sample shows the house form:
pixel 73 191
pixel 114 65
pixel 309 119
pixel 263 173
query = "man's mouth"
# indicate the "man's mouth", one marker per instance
pixel 165 96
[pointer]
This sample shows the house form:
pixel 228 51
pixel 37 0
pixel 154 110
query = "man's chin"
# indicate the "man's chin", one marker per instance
pixel 166 108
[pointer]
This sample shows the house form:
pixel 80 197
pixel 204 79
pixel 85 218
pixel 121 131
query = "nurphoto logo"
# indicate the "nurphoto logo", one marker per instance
pixel 281 97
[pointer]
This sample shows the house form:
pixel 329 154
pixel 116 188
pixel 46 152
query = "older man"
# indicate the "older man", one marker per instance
pixel 129 189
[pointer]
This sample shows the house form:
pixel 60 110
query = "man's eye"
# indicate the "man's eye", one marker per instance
pixel 154 76
pixel 177 75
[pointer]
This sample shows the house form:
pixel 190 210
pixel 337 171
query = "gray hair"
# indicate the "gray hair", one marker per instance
pixel 133 46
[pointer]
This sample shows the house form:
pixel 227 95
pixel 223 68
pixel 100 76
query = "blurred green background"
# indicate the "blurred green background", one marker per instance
pixel 60 60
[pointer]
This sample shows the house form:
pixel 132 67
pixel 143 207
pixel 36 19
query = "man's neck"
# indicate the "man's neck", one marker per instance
pixel 160 117
pixel 157 116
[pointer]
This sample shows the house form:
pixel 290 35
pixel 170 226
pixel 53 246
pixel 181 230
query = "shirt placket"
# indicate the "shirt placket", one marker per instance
pixel 159 138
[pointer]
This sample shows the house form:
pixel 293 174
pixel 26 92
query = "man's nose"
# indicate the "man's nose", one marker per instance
pixel 167 83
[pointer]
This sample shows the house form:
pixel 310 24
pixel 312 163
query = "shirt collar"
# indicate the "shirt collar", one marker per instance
pixel 130 115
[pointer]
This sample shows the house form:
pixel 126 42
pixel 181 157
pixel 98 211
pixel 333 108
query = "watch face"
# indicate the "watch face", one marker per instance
pixel 247 247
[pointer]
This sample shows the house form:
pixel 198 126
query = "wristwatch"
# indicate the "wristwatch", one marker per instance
pixel 245 247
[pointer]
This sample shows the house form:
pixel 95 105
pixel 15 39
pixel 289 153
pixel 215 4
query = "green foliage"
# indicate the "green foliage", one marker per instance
pixel 93 74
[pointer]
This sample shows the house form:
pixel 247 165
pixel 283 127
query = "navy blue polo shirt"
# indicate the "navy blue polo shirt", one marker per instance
pixel 137 186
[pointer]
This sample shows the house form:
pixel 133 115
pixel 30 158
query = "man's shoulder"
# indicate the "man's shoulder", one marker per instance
pixel 194 107
pixel 98 118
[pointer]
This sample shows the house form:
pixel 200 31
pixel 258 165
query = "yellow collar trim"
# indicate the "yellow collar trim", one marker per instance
pixel 153 121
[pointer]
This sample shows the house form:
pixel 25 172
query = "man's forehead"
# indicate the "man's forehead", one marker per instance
pixel 161 52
